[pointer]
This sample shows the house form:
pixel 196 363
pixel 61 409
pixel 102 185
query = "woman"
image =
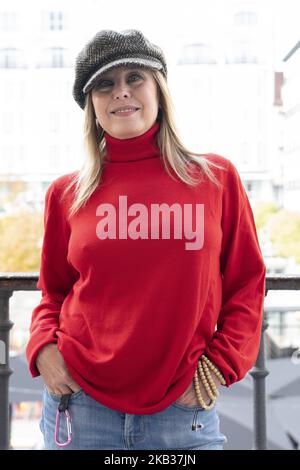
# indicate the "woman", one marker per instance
pixel 151 274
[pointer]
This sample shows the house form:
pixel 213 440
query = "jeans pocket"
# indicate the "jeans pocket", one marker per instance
pixel 182 406
pixel 187 407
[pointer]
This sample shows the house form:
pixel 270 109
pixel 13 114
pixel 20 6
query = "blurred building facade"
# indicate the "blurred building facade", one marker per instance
pixel 232 84
pixel 290 117
pixel 38 114
pixel 222 79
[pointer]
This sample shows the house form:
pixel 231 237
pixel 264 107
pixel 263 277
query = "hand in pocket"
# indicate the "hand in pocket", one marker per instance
pixel 190 398
pixel 54 371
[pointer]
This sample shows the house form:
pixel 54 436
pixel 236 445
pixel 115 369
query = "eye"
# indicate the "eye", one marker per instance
pixel 107 83
pixel 102 84
pixel 135 75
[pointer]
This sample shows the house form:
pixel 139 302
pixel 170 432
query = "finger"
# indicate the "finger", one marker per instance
pixel 74 386
pixel 66 390
pixel 60 390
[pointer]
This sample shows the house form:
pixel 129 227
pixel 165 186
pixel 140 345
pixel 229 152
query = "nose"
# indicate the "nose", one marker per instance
pixel 121 91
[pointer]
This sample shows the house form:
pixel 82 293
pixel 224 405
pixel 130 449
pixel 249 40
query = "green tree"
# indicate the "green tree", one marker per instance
pixel 284 229
pixel 263 212
pixel 21 240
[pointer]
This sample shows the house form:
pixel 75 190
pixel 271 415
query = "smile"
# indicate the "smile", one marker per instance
pixel 124 113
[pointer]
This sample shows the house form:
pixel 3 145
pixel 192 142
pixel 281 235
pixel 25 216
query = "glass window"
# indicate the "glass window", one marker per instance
pixel 56 20
pixel 8 21
pixel 54 57
pixel 200 53
pixel 242 52
pixel 11 58
pixel 245 18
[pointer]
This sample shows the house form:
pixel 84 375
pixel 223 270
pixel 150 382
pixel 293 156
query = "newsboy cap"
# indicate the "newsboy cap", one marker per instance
pixel 110 49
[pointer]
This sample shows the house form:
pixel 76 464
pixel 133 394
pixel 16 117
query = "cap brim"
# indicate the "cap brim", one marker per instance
pixel 150 63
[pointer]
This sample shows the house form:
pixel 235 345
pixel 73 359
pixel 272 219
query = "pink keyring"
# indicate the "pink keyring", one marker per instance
pixel 69 428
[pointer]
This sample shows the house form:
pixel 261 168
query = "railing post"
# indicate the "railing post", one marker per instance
pixel 259 373
pixel 5 371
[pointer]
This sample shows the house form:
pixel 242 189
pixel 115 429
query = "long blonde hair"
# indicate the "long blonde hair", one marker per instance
pixel 174 154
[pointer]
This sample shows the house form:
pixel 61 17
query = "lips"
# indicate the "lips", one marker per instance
pixel 126 112
pixel 125 109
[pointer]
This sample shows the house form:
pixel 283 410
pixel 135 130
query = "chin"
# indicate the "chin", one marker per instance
pixel 129 132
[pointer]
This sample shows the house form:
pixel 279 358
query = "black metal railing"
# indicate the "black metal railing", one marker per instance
pixel 10 282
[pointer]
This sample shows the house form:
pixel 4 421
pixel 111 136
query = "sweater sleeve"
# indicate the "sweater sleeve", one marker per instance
pixel 235 343
pixel 55 280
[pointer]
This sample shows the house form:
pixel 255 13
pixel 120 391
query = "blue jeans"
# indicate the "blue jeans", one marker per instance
pixel 97 427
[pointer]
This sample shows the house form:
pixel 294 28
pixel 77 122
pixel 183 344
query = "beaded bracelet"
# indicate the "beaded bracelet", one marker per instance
pixel 204 364
pixel 214 369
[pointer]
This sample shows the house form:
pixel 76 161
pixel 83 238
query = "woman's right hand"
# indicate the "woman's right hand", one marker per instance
pixel 54 371
pixel 189 397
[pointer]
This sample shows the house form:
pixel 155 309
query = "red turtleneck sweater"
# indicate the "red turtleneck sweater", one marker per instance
pixel 133 299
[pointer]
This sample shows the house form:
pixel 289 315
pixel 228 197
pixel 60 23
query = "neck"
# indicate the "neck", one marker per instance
pixel 137 148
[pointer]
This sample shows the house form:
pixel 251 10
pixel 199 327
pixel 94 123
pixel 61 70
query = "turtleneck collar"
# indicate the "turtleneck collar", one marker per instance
pixel 133 149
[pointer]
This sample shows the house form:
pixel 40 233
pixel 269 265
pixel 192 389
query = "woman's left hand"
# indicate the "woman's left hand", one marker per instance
pixel 189 397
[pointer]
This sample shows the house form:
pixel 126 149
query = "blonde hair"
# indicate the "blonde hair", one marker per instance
pixel 174 154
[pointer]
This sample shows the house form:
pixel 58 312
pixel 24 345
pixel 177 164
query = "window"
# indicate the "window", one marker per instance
pixel 242 52
pixel 245 18
pixel 8 21
pixel 56 20
pixel 8 121
pixel 55 57
pixel 197 54
pixel 11 58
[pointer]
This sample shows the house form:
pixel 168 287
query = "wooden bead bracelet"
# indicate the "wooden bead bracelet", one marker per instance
pixel 203 368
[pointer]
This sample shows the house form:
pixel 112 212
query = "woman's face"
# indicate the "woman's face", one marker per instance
pixel 125 87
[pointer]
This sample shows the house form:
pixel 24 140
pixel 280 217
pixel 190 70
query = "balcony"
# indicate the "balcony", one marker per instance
pixel 10 282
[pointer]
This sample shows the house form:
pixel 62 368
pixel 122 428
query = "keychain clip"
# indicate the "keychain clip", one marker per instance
pixel 63 407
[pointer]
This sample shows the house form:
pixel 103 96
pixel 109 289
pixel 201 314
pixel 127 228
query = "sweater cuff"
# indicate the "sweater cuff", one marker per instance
pixel 35 344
